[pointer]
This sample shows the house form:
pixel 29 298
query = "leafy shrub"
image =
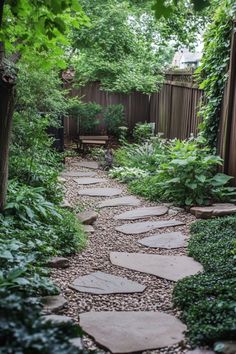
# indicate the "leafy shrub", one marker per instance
pixel 182 172
pixel 126 174
pixel 114 118
pixel 23 330
pixel 86 115
pixel 142 132
pixel 208 299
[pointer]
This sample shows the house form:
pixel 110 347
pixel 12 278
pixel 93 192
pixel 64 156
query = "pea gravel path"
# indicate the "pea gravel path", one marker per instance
pixel 95 257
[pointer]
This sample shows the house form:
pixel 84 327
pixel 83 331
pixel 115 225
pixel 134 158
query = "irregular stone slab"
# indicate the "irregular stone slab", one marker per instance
pixel 215 210
pixel 77 342
pixel 89 164
pixel 141 227
pixel 168 267
pixel 89 229
pixel 141 213
pixel 169 240
pixel 58 262
pixel 78 174
pixel 58 319
pixel 100 192
pixel 53 303
pixel 200 351
pixel 88 180
pixel 128 332
pixel 122 201
pixel 87 217
pixel 103 283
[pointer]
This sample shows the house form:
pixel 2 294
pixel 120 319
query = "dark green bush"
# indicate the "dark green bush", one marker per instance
pixel 142 132
pixel 86 115
pixel 208 300
pixel 23 330
pixel 114 119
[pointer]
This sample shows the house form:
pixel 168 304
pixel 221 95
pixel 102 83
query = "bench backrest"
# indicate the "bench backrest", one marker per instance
pixel 94 137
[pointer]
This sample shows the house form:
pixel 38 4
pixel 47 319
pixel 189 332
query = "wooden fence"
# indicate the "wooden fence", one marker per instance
pixel 136 105
pixel 227 131
pixel 175 108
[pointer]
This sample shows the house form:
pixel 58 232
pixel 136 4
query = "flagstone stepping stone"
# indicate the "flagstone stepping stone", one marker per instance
pixel 141 227
pixel 78 174
pixel 100 192
pixel 87 217
pixel 77 342
pixel 88 180
pixel 103 283
pixel 58 319
pixel 142 213
pixel 53 303
pixel 89 164
pixel 122 201
pixel 168 240
pixel 58 262
pixel 168 267
pixel 128 332
pixel 215 210
pixel 200 351
pixel 89 229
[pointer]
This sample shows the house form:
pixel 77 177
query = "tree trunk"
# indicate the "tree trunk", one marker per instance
pixel 7 98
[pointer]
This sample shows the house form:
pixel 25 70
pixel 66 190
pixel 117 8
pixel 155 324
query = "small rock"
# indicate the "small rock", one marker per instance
pixel 87 217
pixel 53 303
pixel 65 204
pixel 89 229
pixel 61 179
pixel 227 347
pixel 77 342
pixel 58 262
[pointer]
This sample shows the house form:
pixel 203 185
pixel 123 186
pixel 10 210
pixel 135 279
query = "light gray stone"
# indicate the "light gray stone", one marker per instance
pixel 78 174
pixel 122 201
pixel 53 303
pixel 58 319
pixel 88 180
pixel 58 262
pixel 77 342
pixel 215 210
pixel 141 227
pixel 168 267
pixel 89 229
pixel 200 351
pixel 103 283
pixel 87 217
pixel 100 192
pixel 227 347
pixel 65 204
pixel 141 213
pixel 89 164
pixel 128 332
pixel 168 240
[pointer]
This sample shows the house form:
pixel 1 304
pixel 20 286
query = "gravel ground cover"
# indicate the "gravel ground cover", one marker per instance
pixel 95 257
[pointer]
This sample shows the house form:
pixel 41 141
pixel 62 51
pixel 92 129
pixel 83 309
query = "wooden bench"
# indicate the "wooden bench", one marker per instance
pixel 83 140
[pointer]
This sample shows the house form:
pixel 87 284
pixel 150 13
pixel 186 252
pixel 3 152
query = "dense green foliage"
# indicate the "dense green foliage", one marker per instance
pixel 86 115
pixel 121 48
pixel 182 172
pixel 142 132
pixel 33 226
pixel 114 119
pixel 208 299
pixel 213 71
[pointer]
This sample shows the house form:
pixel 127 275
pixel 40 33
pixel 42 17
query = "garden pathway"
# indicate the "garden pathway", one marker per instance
pixel 120 286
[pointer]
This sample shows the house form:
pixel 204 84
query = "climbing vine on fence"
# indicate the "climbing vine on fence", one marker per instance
pixel 212 74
